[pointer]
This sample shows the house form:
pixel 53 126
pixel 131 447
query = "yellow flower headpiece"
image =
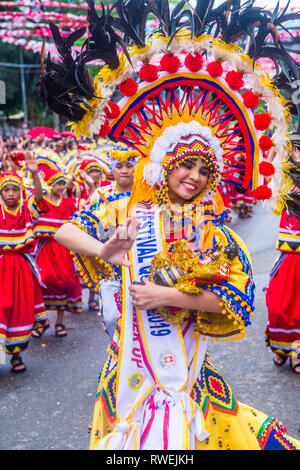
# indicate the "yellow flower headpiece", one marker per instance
pixel 123 154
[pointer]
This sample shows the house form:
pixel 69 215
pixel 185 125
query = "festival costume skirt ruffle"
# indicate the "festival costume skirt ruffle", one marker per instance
pixel 241 199
pixel 230 425
pixel 22 307
pixel 283 302
pixel 62 289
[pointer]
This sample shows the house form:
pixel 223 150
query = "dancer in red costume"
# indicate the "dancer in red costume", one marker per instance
pixel 63 290
pixel 283 296
pixel 22 308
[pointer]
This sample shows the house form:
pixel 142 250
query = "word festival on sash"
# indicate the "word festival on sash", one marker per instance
pixel 146 249
pixel 152 459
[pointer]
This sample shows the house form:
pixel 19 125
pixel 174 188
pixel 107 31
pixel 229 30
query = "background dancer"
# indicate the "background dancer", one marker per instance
pixel 22 309
pixel 62 291
pixel 283 297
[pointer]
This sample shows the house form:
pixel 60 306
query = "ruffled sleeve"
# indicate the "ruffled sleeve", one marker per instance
pixel 35 209
pixel 98 224
pixel 236 294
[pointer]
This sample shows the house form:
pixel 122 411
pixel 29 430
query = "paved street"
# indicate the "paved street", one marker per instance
pixel 51 405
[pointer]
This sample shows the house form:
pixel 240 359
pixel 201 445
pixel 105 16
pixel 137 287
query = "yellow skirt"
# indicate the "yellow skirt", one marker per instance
pixel 232 425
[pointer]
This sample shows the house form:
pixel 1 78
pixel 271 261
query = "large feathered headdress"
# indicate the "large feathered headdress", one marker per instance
pixel 198 68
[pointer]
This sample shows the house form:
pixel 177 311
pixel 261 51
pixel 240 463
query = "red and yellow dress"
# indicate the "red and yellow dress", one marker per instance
pixel 62 289
pixel 22 307
pixel 135 404
pixel 283 294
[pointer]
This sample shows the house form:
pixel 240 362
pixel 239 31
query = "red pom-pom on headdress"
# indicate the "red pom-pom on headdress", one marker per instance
pixel 129 87
pixel 214 69
pixel 170 63
pixel 112 110
pixel 234 79
pixel 17 157
pixel 193 62
pixel 148 73
pixel 250 99
pixel 265 143
pixel 104 129
pixel 262 192
pixel 262 121
pixel 266 168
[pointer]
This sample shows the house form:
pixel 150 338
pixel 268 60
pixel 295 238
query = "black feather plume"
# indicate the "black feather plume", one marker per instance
pixel 66 85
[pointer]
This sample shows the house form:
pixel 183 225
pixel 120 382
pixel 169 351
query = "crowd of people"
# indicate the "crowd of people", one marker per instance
pixel 44 182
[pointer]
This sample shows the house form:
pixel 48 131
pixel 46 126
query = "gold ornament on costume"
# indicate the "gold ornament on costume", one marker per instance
pixel 179 266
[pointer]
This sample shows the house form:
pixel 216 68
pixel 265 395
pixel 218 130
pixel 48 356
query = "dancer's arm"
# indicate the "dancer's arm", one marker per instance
pixel 113 250
pixel 150 296
pixel 32 166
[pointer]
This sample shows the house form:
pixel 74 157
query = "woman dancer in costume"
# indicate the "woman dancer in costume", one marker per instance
pixel 189 184
pixel 191 118
pixel 22 309
pixel 62 289
pixel 283 302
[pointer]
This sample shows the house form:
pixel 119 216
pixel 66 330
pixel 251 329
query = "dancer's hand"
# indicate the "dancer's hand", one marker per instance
pixel 115 249
pixel 146 296
pixel 30 162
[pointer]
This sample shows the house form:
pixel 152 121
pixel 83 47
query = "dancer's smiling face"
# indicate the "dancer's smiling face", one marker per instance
pixel 187 181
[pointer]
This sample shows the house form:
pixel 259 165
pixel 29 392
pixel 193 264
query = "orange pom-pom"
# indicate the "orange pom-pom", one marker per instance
pixel 266 168
pixel 262 192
